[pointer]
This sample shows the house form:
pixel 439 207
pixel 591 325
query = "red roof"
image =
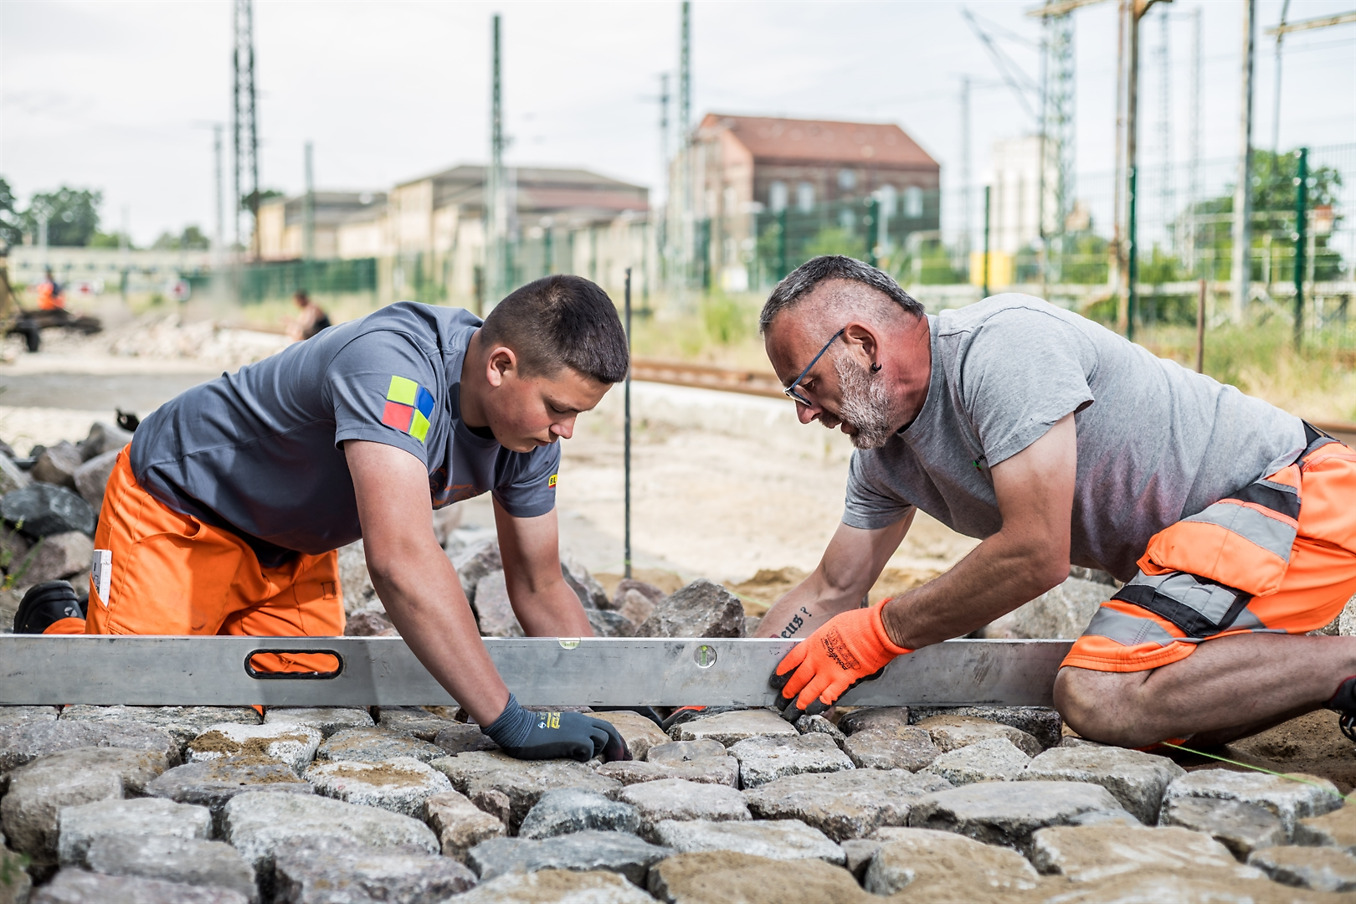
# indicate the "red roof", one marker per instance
pixel 822 140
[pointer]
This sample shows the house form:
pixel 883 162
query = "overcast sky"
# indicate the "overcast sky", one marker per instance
pixel 120 96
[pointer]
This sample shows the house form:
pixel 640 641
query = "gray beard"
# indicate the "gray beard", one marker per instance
pixel 865 406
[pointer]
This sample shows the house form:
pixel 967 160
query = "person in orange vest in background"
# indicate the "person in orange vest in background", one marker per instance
pixel 49 294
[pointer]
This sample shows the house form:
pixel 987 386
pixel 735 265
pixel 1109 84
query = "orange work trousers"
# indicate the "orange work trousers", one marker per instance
pixel 1205 569
pixel 173 574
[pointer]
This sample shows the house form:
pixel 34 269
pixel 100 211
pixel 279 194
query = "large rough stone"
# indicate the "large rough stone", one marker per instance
pixel 675 752
pixel 923 860
pixel 292 743
pixel 103 438
pixel 556 885
pixel 57 464
pixel 190 861
pixel 779 839
pixel 463 737
pixel 460 824
pixel 370 622
pixel 568 810
pixel 722 770
pixel 92 477
pixel 585 586
pixel 842 805
pixel 73 886
pixel 951 731
pixel 1061 612
pixel 41 509
pixel 1099 852
pixel 994 760
pixel 1137 779
pixel 329 719
pixel 57 556
pixel 617 852
pixel 868 718
pixel 1322 869
pixel 354 579
pixel 213 784
pixel 24 741
pixel 1240 827
pixel 680 800
pixel 13 715
pixel 1041 722
pixel 639 733
pixel 336 870
pixel 891 748
pixel 494 611
pixel 474 562
pixel 184 723
pixel 400 784
pixel 375 745
pixel 1008 813
pixel 522 782
pixel 258 824
pixel 1336 829
pixel 80 826
pixel 12 477
pixel 40 789
pixel 606 623
pixel 1290 800
pixel 735 878
pixel 762 760
pixel 416 721
pixel 701 609
pixel 732 727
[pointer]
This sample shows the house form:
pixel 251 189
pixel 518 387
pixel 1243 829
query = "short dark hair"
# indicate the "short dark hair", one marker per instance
pixel 802 280
pixel 561 321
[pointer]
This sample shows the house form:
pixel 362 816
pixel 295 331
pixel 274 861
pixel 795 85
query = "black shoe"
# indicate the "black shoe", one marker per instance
pixel 1344 702
pixel 45 604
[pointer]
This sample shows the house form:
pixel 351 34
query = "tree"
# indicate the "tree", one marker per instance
pixel 11 225
pixel 117 239
pixel 71 214
pixel 191 239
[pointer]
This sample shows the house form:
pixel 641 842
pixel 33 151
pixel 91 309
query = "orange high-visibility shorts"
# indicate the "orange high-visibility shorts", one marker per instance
pixel 1277 557
pixel 173 574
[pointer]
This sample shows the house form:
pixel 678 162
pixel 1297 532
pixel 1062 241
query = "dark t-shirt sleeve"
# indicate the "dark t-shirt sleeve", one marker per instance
pixel 529 489
pixel 1021 374
pixel 379 386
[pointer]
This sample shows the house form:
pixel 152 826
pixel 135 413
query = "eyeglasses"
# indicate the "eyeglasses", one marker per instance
pixel 790 391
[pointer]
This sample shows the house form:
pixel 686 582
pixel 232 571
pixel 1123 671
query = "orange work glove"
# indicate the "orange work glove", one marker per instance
pixel 848 649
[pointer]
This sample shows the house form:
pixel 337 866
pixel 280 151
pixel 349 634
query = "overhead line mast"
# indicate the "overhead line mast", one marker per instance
pixel 245 124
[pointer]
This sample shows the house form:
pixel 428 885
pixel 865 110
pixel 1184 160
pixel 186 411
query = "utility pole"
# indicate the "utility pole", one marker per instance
pixel 965 170
pixel 1059 133
pixel 1276 101
pixel 688 215
pixel 496 219
pixel 1242 231
pixel 666 180
pixel 308 212
pixel 1165 188
pixel 1136 10
pixel 219 234
pixel 245 125
pixel 1116 268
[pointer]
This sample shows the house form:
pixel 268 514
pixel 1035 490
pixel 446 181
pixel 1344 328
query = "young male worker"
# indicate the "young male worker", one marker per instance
pixel 1054 440
pixel 223 514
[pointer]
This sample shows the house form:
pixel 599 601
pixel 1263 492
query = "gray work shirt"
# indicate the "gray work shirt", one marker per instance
pixel 258 452
pixel 1156 442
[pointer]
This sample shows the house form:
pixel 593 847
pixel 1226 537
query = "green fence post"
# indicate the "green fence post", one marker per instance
pixel 872 212
pixel 1301 215
pixel 781 245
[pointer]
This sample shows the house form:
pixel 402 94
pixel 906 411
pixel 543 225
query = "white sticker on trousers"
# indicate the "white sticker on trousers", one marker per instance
pixel 102 573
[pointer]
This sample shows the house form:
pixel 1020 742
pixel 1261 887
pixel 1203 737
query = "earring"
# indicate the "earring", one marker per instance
pixel 875 368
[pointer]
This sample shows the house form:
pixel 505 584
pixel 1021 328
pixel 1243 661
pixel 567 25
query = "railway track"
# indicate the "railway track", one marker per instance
pixel 765 383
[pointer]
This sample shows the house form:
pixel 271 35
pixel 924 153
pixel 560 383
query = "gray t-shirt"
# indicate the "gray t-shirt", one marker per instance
pixel 257 452
pixel 1156 442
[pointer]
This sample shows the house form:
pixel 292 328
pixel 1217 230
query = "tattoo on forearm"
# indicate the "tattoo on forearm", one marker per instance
pixel 795 624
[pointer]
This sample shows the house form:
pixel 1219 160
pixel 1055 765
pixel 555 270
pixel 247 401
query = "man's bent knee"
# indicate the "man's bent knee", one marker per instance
pixel 1100 706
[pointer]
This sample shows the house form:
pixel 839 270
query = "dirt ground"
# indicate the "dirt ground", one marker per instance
pixel 723 486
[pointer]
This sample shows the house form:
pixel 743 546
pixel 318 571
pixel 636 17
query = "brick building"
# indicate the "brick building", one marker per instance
pixel 819 172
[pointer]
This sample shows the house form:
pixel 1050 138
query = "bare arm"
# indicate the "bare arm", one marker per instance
pixel 544 603
pixel 1026 557
pixel 851 563
pixel 415 580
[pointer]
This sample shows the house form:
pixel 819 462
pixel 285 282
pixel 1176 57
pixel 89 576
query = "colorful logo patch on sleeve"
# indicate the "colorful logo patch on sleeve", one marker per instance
pixel 551 481
pixel 408 407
